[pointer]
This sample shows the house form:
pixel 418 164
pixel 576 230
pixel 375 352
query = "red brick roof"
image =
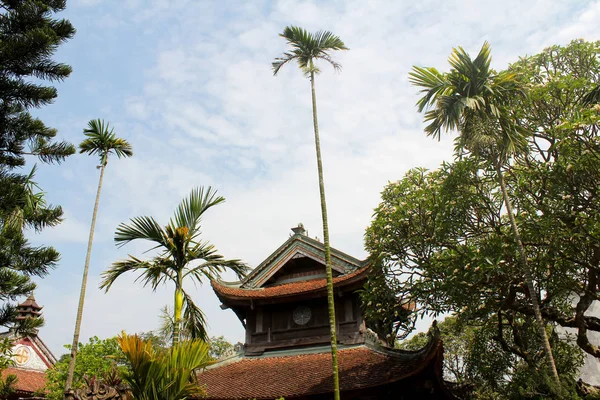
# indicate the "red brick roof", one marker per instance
pixel 27 380
pixel 308 374
pixel 287 289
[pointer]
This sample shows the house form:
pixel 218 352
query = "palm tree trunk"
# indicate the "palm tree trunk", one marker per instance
pixel 75 343
pixel 177 314
pixel 328 269
pixel 528 277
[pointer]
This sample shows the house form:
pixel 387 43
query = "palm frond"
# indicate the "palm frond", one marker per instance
pixel 189 212
pixel 325 40
pixel 336 65
pixel 213 264
pixel 281 61
pixel 433 85
pixel 152 273
pixel 194 321
pixel 145 228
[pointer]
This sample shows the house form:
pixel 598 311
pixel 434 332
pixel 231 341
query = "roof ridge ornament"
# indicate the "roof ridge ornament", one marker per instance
pixel 299 230
pixel 371 338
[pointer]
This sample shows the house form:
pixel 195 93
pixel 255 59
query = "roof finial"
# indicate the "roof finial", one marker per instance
pixel 299 230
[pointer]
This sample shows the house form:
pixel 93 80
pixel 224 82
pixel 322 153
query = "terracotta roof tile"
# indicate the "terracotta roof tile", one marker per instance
pixel 284 289
pixel 307 374
pixel 27 380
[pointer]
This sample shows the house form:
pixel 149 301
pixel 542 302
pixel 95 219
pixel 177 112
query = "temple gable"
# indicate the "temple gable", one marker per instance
pixel 283 302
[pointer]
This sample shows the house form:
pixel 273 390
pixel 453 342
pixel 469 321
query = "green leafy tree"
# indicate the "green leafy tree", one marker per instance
pixel 480 366
pixel 163 336
pixel 182 255
pixel 96 359
pixel 29 36
pixel 101 141
pixel 219 347
pixel 7 381
pixel 472 98
pixel 447 246
pixel 163 374
pixel 386 313
pixel 306 49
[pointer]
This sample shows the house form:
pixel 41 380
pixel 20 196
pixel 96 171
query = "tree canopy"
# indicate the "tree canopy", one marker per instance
pixel 445 240
pixel 29 36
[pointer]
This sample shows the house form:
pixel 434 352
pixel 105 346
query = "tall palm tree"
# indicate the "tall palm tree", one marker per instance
pixel 306 49
pixel 182 255
pixel 163 374
pixel 472 99
pixel 102 141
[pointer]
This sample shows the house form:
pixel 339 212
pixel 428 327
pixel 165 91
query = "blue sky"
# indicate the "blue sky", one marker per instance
pixel 189 84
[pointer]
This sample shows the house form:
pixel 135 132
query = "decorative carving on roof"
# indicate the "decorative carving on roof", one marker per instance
pixel 372 339
pixel 97 390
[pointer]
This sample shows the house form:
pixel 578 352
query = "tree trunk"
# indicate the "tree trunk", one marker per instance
pixel 528 277
pixel 178 306
pixel 328 269
pixel 75 343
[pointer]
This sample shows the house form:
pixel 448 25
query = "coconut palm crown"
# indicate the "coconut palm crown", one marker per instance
pixel 182 254
pixel 471 98
pixel 102 141
pixel 307 47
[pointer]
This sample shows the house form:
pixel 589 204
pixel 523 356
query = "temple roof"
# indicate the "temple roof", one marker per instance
pixel 28 381
pixel 234 292
pixel 30 302
pixel 299 244
pixel 292 375
pixel 257 284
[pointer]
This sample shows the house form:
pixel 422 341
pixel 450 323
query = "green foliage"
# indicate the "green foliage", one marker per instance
pixel 218 347
pixel 182 255
pixel 29 36
pixel 445 240
pixel 475 360
pixel 163 374
pixel 386 314
pixel 98 358
pixel 7 381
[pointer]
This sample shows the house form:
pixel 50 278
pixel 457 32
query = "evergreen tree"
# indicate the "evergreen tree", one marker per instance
pixel 29 35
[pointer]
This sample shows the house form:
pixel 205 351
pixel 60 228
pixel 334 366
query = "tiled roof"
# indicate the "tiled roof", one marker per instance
pixel 303 244
pixel 27 380
pixel 287 289
pixel 308 374
pixel 30 302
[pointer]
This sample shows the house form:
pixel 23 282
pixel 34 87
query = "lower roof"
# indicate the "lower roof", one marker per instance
pixel 28 381
pixel 296 375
